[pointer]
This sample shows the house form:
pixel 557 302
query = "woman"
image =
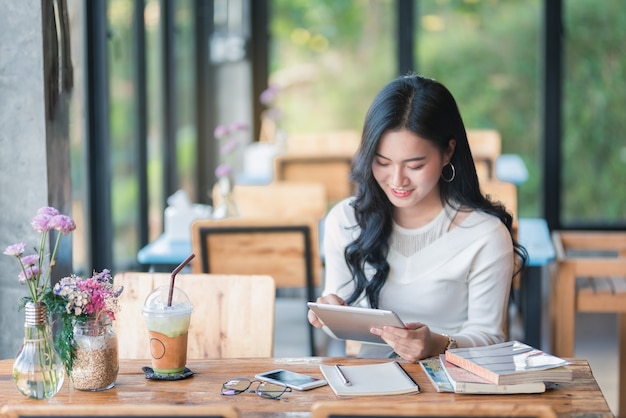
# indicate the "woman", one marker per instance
pixel 418 237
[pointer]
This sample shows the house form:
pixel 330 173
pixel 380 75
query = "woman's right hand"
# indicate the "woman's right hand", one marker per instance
pixel 331 299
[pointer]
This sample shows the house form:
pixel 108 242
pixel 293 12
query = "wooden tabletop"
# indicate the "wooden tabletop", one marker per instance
pixel 582 397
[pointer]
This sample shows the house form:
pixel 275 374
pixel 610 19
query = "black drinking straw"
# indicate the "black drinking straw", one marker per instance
pixel 174 273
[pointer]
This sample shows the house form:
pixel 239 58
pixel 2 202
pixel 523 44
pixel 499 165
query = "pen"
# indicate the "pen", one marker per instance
pixel 343 376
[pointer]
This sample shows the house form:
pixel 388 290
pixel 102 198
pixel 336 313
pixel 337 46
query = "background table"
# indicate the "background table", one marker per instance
pixel 581 397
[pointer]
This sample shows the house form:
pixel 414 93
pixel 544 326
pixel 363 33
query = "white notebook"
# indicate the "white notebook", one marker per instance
pixel 387 378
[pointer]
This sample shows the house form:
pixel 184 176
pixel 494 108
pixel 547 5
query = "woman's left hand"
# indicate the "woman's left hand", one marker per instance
pixel 413 343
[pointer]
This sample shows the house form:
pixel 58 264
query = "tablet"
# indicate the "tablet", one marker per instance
pixel 354 323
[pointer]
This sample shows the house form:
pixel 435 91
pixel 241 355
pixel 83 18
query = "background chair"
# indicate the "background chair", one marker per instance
pixel 505 193
pixel 324 157
pixel 278 199
pixel 352 408
pixel 137 410
pixel 286 249
pixel 589 276
pixel 233 315
pixel 486 146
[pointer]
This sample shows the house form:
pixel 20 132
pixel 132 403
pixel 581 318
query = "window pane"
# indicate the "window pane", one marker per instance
pixel 123 116
pixel 185 88
pixel 154 74
pixel 329 58
pixel 594 148
pixel 486 53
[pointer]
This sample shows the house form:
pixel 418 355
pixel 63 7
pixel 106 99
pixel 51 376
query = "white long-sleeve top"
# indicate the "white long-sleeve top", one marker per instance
pixel 458 284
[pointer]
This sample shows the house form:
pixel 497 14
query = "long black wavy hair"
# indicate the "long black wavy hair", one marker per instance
pixel 426 108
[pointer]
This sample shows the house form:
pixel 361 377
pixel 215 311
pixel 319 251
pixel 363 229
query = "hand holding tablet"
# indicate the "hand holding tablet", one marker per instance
pixel 354 323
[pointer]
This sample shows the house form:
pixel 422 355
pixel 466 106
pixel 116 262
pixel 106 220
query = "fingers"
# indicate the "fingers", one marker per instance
pixel 408 343
pixel 331 299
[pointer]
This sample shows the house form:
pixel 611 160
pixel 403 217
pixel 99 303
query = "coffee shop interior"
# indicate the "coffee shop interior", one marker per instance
pixel 121 112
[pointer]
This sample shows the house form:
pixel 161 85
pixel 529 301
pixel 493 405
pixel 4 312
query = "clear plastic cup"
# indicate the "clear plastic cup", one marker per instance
pixel 168 327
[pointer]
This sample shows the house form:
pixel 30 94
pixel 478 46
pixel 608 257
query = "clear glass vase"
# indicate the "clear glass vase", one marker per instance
pixel 38 371
pixel 96 362
pixel 227 207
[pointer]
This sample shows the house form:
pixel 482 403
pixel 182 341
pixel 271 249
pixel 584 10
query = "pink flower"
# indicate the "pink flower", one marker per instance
pixel 223 170
pixel 62 223
pixel 16 250
pixel 222 131
pixel 269 94
pixel 30 260
pixel 229 146
pixel 29 273
pixel 32 266
pixel 41 223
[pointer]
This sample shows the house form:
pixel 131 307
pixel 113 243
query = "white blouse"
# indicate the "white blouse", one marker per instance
pixel 457 282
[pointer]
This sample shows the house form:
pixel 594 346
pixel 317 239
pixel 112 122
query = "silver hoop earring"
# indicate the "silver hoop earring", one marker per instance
pixel 452 176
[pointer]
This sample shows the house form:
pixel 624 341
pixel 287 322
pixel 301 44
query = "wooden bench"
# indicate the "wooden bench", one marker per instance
pixel 589 276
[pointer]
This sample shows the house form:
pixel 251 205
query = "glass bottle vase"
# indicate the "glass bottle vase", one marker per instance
pixel 38 371
pixel 96 362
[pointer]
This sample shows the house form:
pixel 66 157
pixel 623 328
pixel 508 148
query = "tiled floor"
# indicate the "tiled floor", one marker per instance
pixel 596 341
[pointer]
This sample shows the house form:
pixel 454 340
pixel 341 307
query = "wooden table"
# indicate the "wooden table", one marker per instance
pixel 582 397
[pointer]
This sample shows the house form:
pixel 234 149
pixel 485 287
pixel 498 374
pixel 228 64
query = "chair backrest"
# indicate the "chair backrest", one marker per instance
pixel 486 146
pixel 286 249
pixel 233 315
pixel 324 157
pixel 283 199
pixel 503 192
pixel 121 410
pixel 353 409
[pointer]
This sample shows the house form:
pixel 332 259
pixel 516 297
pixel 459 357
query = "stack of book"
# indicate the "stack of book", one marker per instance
pixel 510 367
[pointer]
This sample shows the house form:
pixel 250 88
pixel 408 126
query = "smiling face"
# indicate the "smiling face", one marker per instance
pixel 408 168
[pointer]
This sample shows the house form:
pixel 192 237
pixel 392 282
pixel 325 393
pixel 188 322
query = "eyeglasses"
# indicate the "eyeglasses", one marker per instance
pixel 265 389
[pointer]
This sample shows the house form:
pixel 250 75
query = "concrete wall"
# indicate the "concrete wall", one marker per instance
pixel 23 161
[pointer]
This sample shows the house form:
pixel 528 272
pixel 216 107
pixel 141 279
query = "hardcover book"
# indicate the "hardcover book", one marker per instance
pixel 446 377
pixel 464 381
pixel 510 362
pixel 369 379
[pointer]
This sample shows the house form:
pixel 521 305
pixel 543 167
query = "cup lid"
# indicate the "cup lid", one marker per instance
pixel 157 301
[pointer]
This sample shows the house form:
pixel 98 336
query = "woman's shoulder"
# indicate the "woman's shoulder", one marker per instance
pixel 342 210
pixel 478 223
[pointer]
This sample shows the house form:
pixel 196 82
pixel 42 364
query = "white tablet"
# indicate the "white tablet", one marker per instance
pixel 354 323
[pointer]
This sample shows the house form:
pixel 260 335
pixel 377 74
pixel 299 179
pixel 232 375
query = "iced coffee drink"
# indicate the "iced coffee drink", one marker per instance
pixel 168 328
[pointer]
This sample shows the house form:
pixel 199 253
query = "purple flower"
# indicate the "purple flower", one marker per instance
pixel 238 126
pixel 15 250
pixel 48 210
pixel 62 223
pixel 30 260
pixel 41 223
pixel 46 219
pixel 229 146
pixel 269 95
pixel 103 276
pixel 222 131
pixel 223 170
pixel 32 273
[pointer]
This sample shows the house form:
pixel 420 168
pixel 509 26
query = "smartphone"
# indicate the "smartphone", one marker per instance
pixel 291 379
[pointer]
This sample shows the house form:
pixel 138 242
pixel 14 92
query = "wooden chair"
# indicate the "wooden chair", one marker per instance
pixel 353 408
pixel 505 193
pixel 589 276
pixel 233 315
pixel 282 199
pixel 287 249
pixel 137 410
pixel 486 147
pixel 322 157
